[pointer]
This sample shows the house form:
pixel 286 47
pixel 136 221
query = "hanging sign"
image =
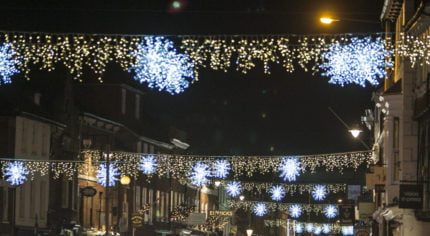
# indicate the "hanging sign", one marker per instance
pixel 411 196
pixel 88 191
pixel 137 220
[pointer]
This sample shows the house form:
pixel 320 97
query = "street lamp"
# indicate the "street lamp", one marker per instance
pixel 249 232
pixel 125 180
pixel 241 197
pixel 328 20
pixel 355 132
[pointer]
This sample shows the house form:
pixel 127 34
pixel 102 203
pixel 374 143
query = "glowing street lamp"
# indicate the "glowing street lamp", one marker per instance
pixel 327 20
pixel 125 180
pixel 249 232
pixel 355 132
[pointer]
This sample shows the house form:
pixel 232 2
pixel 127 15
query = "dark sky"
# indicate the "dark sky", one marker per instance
pixel 229 113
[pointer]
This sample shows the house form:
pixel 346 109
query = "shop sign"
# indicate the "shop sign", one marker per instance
pixel 411 196
pixel 221 213
pixel 137 220
pixel 88 191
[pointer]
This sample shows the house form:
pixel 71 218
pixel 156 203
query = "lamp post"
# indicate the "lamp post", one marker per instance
pixel 326 20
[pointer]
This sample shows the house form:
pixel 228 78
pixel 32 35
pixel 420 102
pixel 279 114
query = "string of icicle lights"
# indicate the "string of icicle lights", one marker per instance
pixel 171 63
pixel 185 168
pixel 299 227
pixel 276 206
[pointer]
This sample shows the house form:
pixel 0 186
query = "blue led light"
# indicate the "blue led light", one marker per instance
pixel 290 169
pixel 16 173
pixel 330 211
pixel 158 64
pixel 356 62
pixel 233 188
pixel 309 227
pixel 102 175
pixel 221 168
pixel 200 174
pixel 260 209
pixel 295 211
pixel 278 192
pixel 148 164
pixel 326 228
pixel 8 62
pixel 319 192
pixel 298 227
pixel 317 230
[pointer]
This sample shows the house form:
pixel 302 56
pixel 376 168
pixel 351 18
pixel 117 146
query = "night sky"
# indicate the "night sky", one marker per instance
pixel 229 113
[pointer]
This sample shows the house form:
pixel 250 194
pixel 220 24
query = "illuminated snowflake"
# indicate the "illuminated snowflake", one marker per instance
pixel 233 189
pixel 356 62
pixel 295 211
pixel 159 65
pixel 221 168
pixel 298 228
pixel 326 228
pixel 330 211
pixel 319 192
pixel 200 174
pixel 317 230
pixel 260 209
pixel 8 62
pixel 16 173
pixel 290 168
pixel 278 192
pixel 148 164
pixel 102 175
pixel 309 227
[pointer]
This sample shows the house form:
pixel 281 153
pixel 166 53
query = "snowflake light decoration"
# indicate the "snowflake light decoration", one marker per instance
pixel 317 230
pixel 278 192
pixel 148 164
pixel 233 188
pixel 356 62
pixel 319 192
pixel 158 64
pixel 330 211
pixel 298 227
pixel 221 168
pixel 102 175
pixel 200 174
pixel 309 227
pixel 290 169
pixel 8 62
pixel 326 228
pixel 295 211
pixel 16 173
pixel 260 209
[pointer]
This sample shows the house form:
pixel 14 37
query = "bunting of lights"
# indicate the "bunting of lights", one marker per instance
pixel 233 188
pixel 15 173
pixel 276 206
pixel 200 174
pixel 180 166
pixel 298 228
pixel 319 192
pixel 295 211
pixel 221 169
pixel 148 164
pixel 277 193
pixel 290 169
pixel 325 228
pixel 260 209
pixel 330 211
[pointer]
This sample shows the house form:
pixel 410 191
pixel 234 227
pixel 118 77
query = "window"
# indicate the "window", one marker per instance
pixel 151 149
pixel 123 100
pixel 137 199
pixel 139 146
pixel 145 148
pixel 137 108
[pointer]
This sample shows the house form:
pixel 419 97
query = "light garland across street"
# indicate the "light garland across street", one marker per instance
pixel 20 51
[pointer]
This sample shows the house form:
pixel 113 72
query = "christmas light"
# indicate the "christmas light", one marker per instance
pixel 317 230
pixel 16 173
pixel 102 175
pixel 326 228
pixel 260 209
pixel 347 230
pixel 221 168
pixel 358 61
pixel 295 211
pixel 330 211
pixel 290 169
pixel 309 227
pixel 319 192
pixel 298 228
pixel 277 192
pixel 148 164
pixel 200 174
pixel 233 189
pixel 159 65
pixel 8 62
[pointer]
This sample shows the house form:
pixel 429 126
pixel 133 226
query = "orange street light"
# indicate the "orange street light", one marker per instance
pixel 327 20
